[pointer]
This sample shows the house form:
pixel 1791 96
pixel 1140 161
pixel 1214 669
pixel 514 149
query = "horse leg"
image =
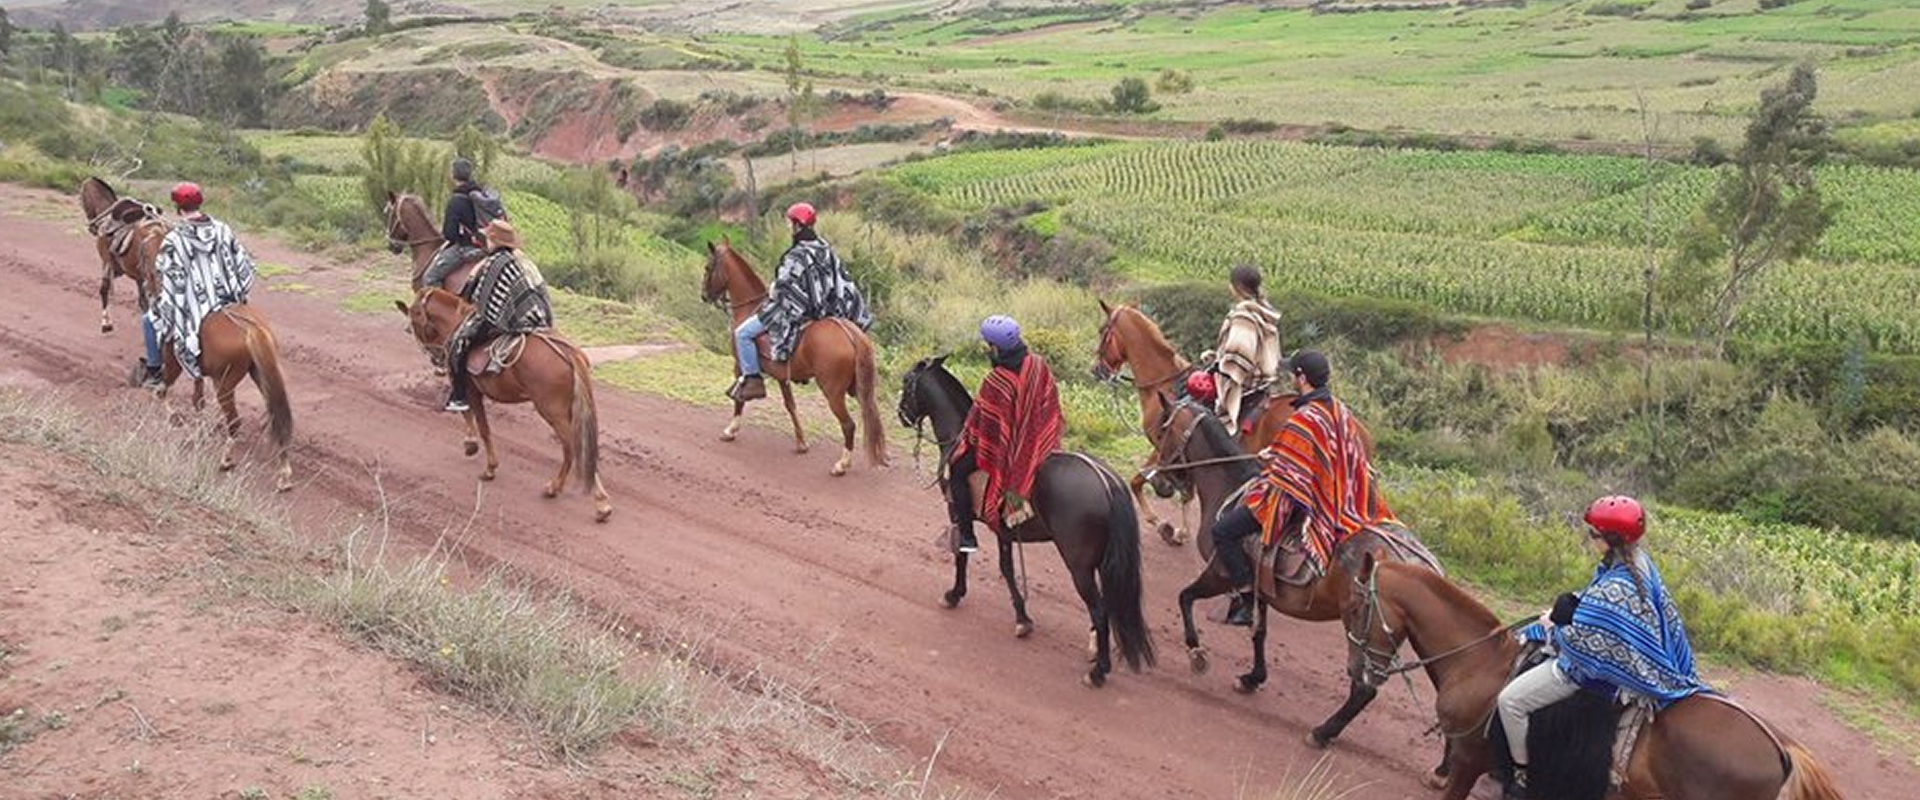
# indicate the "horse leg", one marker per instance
pixel 1463 772
pixel 1359 694
pixel 952 598
pixel 732 430
pixel 1101 655
pixel 477 425
pixel 837 402
pixel 1209 584
pixel 1437 779
pixel 223 393
pixel 106 294
pixel 1250 682
pixel 799 435
pixel 559 416
pixel 1138 486
pixel 1022 624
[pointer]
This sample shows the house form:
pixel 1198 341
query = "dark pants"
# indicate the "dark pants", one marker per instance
pixel 1230 533
pixel 470 331
pixel 960 495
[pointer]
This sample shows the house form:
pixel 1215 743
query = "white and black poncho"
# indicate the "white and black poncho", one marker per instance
pixel 811 284
pixel 202 268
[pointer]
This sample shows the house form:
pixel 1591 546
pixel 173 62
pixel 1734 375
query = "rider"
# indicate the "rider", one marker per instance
pixel 462 225
pixel 1247 358
pixel 1014 425
pixel 1621 636
pixel 1318 465
pixel 509 296
pixel 811 284
pixel 202 268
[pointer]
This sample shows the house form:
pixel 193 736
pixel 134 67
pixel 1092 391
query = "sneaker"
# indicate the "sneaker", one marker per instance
pixel 152 379
pixel 1240 613
pixel 968 544
pixel 749 387
pixel 1517 788
pixel 457 405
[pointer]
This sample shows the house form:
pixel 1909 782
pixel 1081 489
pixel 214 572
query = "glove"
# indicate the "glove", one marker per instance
pixel 1014 509
pixel 1563 608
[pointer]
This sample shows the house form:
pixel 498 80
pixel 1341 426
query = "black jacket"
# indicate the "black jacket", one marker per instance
pixel 462 225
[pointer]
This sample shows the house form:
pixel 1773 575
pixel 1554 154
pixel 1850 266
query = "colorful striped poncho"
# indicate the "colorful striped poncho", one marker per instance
pixel 1014 425
pixel 1626 639
pixel 1319 463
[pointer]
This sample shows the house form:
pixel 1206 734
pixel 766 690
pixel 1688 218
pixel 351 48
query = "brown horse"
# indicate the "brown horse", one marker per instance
pixel 1701 748
pixel 1129 339
pixel 105 215
pixel 1078 505
pixel 235 343
pixel 410 229
pixel 550 372
pixel 835 353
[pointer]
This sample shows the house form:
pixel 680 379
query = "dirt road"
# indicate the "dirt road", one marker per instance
pixel 762 560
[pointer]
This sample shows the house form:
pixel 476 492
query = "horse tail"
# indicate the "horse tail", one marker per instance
pixel 1807 778
pixel 586 421
pixel 265 353
pixel 866 380
pixel 1120 576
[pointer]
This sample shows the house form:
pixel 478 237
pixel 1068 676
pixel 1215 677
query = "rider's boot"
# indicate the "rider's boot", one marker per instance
pixel 749 387
pixel 457 398
pixel 150 377
pixel 1517 787
pixel 1241 611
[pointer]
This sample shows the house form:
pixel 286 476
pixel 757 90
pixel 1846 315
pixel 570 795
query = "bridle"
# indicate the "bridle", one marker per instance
pixel 436 353
pixel 1180 365
pixel 722 297
pixel 1379 665
pixel 396 236
pixel 916 418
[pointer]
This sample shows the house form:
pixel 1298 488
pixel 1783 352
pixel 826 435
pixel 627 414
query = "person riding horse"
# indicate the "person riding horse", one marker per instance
pixel 509 295
pixel 201 269
pixel 1247 358
pixel 469 209
pixel 1014 425
pixel 1318 465
pixel 811 284
pixel 1619 637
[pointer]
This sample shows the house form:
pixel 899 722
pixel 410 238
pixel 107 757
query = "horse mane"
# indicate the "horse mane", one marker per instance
pixel 724 251
pixel 945 381
pixel 1154 336
pixel 1446 591
pixel 1220 443
pixel 412 206
pixel 96 196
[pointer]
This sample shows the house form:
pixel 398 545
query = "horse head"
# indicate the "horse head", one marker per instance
pixel 713 288
pixel 913 403
pixel 1111 353
pixel 96 197
pixel 398 237
pixel 431 319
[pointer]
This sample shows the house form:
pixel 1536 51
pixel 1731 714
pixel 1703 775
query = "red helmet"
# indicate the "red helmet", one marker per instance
pixel 1618 516
pixel 186 196
pixel 1200 386
pixel 801 213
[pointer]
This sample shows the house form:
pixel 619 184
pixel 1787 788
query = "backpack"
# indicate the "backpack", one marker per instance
pixel 487 206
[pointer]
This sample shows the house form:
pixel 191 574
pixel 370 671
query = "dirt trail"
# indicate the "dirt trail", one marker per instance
pixel 765 561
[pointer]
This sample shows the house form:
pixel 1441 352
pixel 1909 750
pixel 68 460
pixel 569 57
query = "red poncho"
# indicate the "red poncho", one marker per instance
pixel 1014 425
pixel 1319 461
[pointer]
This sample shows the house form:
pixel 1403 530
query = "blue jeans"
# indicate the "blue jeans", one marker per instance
pixel 743 347
pixel 152 340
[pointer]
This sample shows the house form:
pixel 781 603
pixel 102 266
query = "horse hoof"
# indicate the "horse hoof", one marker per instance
pixel 1314 741
pixel 1197 659
pixel 601 514
pixel 1168 534
pixel 1181 536
pixel 226 465
pixel 949 600
pixel 285 485
pixel 1094 679
pixel 106 327
pixel 472 447
pixel 1022 630
pixel 801 449
pixel 728 436
pixel 1434 781
pixel 838 470
pixel 550 492
pixel 1244 685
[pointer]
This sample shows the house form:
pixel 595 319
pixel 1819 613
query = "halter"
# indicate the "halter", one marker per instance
pixel 1380 665
pixel 916 419
pixel 1180 365
pixel 723 298
pixel 394 229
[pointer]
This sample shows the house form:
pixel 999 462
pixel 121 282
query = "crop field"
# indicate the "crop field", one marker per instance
pixel 1544 237
pixel 1550 70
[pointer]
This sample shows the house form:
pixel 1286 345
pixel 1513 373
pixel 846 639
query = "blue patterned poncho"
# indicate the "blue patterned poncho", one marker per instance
pixel 1624 639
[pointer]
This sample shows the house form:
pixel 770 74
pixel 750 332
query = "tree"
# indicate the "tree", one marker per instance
pixel 173 30
pixel 243 81
pixel 379 17
pixel 800 98
pixel 6 34
pixel 1132 96
pixel 395 165
pixel 1766 209
pixel 476 146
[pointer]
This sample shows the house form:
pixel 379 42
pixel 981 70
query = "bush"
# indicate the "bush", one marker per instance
pixel 1707 152
pixel 1699 5
pixel 666 115
pixel 1624 8
pixel 1173 81
pixel 1133 96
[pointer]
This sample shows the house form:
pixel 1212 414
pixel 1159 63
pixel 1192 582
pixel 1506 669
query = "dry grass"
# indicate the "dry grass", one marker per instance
pixel 1318 782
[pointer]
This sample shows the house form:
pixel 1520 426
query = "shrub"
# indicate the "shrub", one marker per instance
pixel 666 115
pixel 1133 96
pixel 1173 81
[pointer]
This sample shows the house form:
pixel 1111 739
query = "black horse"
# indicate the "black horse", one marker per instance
pixel 1194 452
pixel 1079 505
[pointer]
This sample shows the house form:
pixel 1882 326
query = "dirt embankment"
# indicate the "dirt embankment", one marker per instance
pixel 822 583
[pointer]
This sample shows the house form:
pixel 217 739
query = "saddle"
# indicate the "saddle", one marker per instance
pixel 119 222
pixel 977 487
pixel 1574 743
pixel 500 353
pixel 1285 560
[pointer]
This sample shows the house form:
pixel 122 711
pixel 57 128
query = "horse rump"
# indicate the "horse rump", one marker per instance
pixel 1571 743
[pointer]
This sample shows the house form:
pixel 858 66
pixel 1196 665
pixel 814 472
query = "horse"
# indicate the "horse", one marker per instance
pixel 410 229
pixel 1700 748
pixel 550 372
pixel 833 352
pixel 1130 339
pixel 236 342
pixel 1196 453
pixel 106 215
pixel 1078 504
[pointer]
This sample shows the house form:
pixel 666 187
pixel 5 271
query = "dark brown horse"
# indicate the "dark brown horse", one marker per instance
pixel 1195 453
pixel 236 343
pixel 835 353
pixel 410 229
pixel 550 372
pixel 105 215
pixel 1701 748
pixel 1129 339
pixel 1078 505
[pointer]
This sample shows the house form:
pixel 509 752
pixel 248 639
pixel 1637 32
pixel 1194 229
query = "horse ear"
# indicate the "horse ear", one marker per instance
pixel 727 239
pixel 710 247
pixel 403 308
pixel 939 360
pixel 1105 310
pixel 391 197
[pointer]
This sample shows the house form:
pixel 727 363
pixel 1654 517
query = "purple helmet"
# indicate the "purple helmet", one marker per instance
pixel 1001 332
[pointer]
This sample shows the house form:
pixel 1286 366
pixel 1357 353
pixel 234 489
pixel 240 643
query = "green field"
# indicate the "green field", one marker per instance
pixel 1536 237
pixel 1550 70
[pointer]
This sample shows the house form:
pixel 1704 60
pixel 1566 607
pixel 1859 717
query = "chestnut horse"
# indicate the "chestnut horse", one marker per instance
pixel 97 199
pixel 1129 339
pixel 410 229
pixel 1701 748
pixel 551 373
pixel 1078 505
pixel 833 352
pixel 235 343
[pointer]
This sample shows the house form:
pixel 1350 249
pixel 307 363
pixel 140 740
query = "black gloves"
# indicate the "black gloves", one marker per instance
pixel 1563 607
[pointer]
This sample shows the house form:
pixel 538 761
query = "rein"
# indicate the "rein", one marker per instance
pixel 1381 665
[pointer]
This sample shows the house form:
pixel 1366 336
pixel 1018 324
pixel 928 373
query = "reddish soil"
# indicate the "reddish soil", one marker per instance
pixel 823 582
